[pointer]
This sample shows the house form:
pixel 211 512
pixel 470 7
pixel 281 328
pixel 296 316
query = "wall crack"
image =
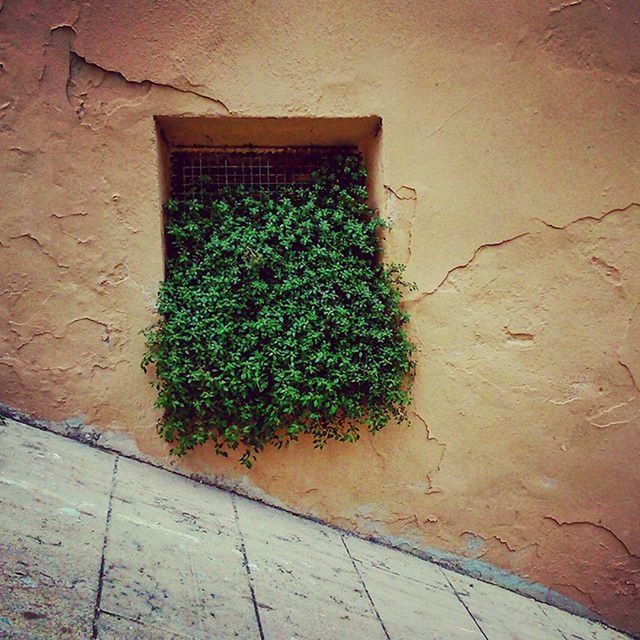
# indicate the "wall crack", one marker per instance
pixel 596 218
pixel 76 58
pixel 459 267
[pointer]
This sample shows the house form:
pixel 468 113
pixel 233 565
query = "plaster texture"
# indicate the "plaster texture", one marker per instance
pixel 508 163
pixel 95 545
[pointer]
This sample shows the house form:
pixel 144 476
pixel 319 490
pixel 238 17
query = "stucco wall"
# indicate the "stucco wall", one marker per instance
pixel 510 159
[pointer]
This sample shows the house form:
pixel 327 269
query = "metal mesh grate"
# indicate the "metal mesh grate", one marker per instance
pixel 195 172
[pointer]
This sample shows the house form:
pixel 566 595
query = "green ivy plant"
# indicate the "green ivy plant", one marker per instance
pixel 278 317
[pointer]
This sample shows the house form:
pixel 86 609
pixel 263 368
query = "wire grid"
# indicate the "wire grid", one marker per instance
pixel 196 173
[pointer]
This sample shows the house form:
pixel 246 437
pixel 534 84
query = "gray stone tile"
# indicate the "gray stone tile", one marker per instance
pixel 173 560
pixel 54 495
pixel 404 564
pixel 501 614
pixel 413 597
pixel 575 628
pixel 160 494
pixel 305 583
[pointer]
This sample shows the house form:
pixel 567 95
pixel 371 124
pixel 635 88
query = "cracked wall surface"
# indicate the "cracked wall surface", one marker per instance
pixel 510 162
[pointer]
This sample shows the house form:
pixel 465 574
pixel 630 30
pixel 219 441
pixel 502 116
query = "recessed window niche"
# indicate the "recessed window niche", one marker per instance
pixel 261 152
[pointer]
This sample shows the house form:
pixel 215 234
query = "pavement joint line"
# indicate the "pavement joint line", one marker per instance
pixel 245 562
pixel 546 615
pixel 464 604
pixel 140 623
pixel 97 609
pixel 364 586
pixel 121 617
pixel 403 576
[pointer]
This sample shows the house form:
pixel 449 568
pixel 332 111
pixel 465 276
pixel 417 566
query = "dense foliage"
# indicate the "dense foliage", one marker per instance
pixel 277 317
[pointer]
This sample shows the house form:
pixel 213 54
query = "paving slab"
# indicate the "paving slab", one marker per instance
pixel 412 597
pixel 501 614
pixel 306 585
pixel 54 495
pixel 113 627
pixel 173 560
pixel 573 627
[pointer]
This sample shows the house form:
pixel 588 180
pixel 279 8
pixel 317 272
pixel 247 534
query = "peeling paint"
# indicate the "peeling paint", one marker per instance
pixel 81 67
pixel 565 5
pixel 597 526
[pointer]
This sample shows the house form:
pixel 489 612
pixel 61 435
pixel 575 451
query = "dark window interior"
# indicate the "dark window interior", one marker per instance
pixel 194 171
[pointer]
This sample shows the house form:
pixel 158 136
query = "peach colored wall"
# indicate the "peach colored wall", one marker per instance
pixel 511 164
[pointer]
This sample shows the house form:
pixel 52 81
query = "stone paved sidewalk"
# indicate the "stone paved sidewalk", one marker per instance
pixel 94 545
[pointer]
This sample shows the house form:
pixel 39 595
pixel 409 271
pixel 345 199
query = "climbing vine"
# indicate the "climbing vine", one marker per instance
pixel 277 317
